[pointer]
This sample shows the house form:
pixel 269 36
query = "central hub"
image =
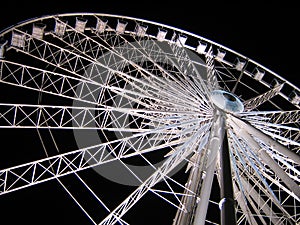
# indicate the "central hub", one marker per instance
pixel 227 101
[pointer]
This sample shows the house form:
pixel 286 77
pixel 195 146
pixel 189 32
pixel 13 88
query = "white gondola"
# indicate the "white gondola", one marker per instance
pixel 141 30
pixel 161 35
pixel 201 47
pixel 220 55
pixel 258 74
pixel 181 40
pixel 121 26
pixel 80 24
pixel 239 65
pixel 60 28
pixel 101 25
pixel 18 39
pixel 295 98
pixel 38 30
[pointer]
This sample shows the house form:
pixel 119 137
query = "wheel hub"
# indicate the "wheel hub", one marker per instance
pixel 226 101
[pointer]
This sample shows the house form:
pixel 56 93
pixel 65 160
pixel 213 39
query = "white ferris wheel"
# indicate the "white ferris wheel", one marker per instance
pixel 128 118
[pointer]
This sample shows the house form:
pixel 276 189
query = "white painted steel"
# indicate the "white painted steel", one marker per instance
pixel 99 89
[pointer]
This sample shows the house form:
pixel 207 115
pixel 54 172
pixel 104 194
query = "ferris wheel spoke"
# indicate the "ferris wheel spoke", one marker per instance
pixel 221 80
pixel 73 196
pixel 260 169
pixel 211 67
pixel 145 87
pixel 178 199
pixel 294 187
pixel 98 47
pixel 274 117
pixel 26 175
pixel 225 74
pixel 149 50
pixel 288 136
pixel 237 123
pixel 243 205
pixel 166 191
pixel 284 196
pixel 60 85
pixel 48 82
pixel 173 76
pixel 141 87
pixel 152 50
pixel 280 125
pixel 156 177
pixel 188 68
pixel 261 207
pixel 66 117
pixel 253 103
pixel 249 160
pixel 241 194
pixel 248 190
pixel 168 139
pixel 164 87
pixel 46 169
pixel 185 78
pixel 76 201
pixel 256 210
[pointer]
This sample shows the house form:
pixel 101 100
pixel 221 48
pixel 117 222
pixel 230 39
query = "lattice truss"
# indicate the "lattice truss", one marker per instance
pixel 144 93
pixel 261 190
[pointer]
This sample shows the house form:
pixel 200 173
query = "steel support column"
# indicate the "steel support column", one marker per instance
pixel 218 145
pixel 227 203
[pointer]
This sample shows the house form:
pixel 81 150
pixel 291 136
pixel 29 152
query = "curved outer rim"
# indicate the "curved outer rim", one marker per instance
pixel 34 19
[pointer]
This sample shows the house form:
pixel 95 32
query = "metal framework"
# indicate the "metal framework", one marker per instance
pixel 129 101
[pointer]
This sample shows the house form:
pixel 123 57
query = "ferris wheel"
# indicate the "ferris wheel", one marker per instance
pixel 129 121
